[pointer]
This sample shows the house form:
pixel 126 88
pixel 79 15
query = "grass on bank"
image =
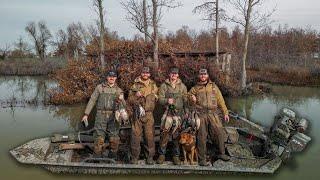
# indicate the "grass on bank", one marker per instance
pixel 30 66
pixel 291 75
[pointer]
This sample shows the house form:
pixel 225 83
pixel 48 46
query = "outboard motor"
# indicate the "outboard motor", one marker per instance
pixel 287 134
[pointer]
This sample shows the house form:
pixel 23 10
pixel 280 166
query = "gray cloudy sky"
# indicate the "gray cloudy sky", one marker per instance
pixel 15 14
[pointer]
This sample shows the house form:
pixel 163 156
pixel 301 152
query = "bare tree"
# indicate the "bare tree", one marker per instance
pixel 32 30
pixel 4 51
pixel 98 7
pixel 73 41
pixel 212 12
pixel 93 34
pixel 217 31
pixel 60 43
pixel 21 45
pixel 86 35
pixel 138 15
pixel 143 15
pixel 248 15
pixel 155 38
pixel 21 48
pixel 145 20
pixel 41 37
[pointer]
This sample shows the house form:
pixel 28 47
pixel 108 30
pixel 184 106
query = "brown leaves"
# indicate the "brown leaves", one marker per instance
pixel 76 82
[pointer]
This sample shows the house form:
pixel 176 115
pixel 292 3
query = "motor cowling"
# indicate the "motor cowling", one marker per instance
pixel 287 133
pixel 298 142
pixel 302 125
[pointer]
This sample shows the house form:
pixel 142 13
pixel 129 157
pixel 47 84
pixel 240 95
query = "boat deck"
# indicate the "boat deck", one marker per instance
pixel 34 152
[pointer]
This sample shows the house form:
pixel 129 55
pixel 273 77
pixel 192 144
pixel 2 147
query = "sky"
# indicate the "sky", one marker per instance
pixel 15 14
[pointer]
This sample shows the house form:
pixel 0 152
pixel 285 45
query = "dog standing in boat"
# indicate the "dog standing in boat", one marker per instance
pixel 190 154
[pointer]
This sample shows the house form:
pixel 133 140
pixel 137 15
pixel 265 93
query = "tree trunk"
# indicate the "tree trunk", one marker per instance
pixel 102 30
pixel 44 52
pixel 41 53
pixel 245 50
pixel 38 48
pixel 228 68
pixel 42 56
pixel 156 52
pixel 155 34
pixel 145 22
pixel 217 32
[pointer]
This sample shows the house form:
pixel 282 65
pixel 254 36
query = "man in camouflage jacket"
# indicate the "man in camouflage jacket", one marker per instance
pixel 172 92
pixel 143 97
pixel 206 97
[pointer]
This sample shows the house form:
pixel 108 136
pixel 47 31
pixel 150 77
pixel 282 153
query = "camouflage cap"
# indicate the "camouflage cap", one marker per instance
pixel 111 74
pixel 145 69
pixel 174 70
pixel 203 71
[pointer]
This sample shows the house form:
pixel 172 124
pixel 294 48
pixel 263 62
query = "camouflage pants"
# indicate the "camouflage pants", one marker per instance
pixel 106 127
pixel 164 139
pixel 143 127
pixel 209 123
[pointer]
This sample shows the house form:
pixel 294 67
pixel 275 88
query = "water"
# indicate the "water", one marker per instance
pixel 21 124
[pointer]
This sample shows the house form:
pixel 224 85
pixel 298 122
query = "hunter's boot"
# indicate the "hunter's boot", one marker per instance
pixel 112 154
pixel 161 159
pixel 164 138
pixel 114 142
pixel 98 147
pixel 224 157
pixel 222 149
pixel 176 160
pixel 150 160
pixel 162 152
pixel 134 160
pixel 134 156
pixel 204 163
pixel 176 152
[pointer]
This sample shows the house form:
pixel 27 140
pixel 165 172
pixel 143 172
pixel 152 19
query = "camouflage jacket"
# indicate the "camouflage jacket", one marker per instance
pixel 208 97
pixel 105 97
pixel 149 92
pixel 177 91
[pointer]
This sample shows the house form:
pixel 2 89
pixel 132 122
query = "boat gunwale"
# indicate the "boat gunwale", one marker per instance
pixel 131 167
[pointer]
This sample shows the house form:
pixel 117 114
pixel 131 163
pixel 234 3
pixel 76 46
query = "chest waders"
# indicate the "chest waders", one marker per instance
pixel 105 124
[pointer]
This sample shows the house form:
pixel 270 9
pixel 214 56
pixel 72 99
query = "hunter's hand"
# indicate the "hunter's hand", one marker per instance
pixel 170 101
pixel 226 118
pixel 138 94
pixel 186 116
pixel 121 97
pixel 85 120
pixel 194 99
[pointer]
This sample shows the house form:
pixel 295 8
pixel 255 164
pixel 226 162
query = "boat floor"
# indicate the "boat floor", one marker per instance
pixel 34 152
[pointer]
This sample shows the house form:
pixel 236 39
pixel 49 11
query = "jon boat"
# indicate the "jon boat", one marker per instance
pixel 252 148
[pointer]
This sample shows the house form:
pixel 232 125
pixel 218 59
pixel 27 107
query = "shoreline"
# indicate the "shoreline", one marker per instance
pixel 30 66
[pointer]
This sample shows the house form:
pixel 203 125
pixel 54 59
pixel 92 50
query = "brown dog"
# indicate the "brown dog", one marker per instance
pixel 188 142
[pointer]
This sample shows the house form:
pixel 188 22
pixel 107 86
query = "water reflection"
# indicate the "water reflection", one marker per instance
pixel 31 93
pixel 21 91
pixel 71 114
pixel 263 108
